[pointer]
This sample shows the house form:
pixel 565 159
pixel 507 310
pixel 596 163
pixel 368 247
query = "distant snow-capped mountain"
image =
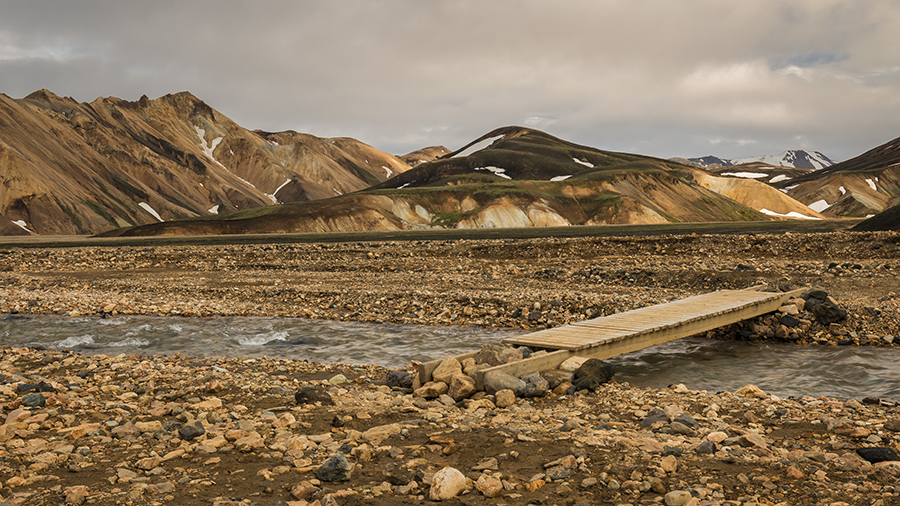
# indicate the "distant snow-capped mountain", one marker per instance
pixel 797 158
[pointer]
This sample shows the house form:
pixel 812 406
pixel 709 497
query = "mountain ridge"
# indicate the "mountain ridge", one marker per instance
pixel 796 158
pixel 82 168
pixel 517 177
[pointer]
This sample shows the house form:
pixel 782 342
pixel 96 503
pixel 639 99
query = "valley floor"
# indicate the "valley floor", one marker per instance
pixel 108 433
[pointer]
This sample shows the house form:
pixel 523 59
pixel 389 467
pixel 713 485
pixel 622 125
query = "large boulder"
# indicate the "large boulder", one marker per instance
pixel 496 354
pixel 448 368
pixel 592 374
pixel 461 387
pixel 535 385
pixel 447 484
pixel 494 381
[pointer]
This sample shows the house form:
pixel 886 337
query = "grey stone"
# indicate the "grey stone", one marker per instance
pixel 34 400
pixel 494 381
pixel 686 420
pixel 591 375
pixel 706 448
pixel 657 415
pixel 680 428
pixel 191 431
pixel 827 313
pixel 535 385
pixel 336 468
pixel 556 377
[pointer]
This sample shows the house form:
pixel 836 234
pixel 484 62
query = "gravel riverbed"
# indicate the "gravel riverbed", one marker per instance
pixel 83 429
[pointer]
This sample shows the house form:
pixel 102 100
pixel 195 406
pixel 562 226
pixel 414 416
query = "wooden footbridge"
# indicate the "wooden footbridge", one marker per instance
pixel 630 331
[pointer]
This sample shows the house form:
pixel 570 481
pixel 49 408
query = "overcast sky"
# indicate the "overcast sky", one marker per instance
pixel 659 77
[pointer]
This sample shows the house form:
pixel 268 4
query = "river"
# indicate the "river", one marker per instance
pixel 700 364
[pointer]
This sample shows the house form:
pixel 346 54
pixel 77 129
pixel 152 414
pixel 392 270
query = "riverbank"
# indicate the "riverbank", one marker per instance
pixel 524 283
pixel 178 430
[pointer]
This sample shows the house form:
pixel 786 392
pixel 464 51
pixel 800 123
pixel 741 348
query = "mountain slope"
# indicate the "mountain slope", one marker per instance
pixel 889 219
pixel 516 177
pixel 78 168
pixel 859 187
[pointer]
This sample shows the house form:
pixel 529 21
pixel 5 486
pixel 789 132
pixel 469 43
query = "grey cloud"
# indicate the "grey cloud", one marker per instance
pixel 658 77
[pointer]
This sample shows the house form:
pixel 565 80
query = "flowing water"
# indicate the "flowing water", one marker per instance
pixel 700 364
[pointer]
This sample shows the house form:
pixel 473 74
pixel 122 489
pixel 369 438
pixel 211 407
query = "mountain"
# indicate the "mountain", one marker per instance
pixel 424 155
pixel 83 168
pixel 889 219
pixel 859 187
pixel 517 177
pixel 797 158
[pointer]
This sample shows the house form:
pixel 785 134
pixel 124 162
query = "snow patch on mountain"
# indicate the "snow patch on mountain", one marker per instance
pixel 792 214
pixel 272 195
pixel 478 146
pixel 745 175
pixel 496 170
pixel 581 162
pixel 23 225
pixel 146 207
pixel 207 148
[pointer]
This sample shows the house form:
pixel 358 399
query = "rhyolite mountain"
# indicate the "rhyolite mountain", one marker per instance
pixel 82 168
pixel 859 187
pixel 516 177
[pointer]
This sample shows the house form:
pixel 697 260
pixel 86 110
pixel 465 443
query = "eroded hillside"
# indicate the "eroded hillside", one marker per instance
pixel 81 168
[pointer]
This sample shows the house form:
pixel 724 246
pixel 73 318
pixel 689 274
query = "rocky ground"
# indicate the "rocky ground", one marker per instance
pixel 153 430
pixel 530 283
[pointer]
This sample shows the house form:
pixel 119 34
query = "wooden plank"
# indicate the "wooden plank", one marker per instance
pixel 634 343
pixel 632 330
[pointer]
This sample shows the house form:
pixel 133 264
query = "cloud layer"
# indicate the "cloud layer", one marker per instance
pixel 657 77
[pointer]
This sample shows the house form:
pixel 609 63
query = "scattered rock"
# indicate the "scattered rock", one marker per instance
pixel 432 389
pixel 489 486
pixel 399 378
pixel 336 468
pixel 677 498
pixel 505 398
pixel 535 385
pixel 876 455
pixel 310 395
pixel 34 400
pixel 191 431
pixel 447 484
pixel 572 364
